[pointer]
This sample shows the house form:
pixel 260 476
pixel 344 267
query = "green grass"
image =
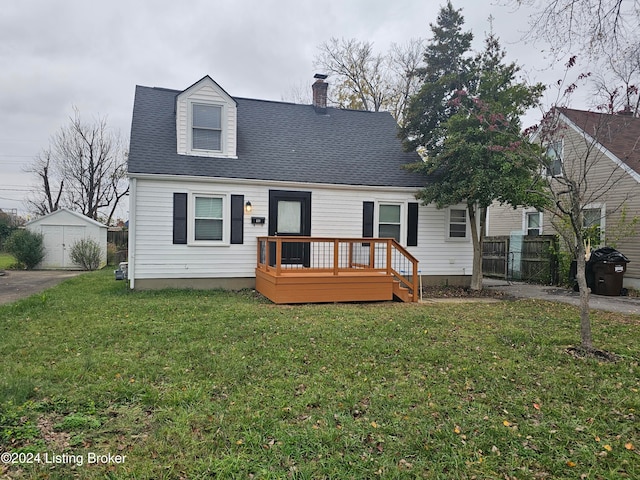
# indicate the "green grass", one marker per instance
pixel 214 384
pixel 6 261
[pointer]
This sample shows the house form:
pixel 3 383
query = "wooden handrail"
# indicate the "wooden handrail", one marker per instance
pixel 351 263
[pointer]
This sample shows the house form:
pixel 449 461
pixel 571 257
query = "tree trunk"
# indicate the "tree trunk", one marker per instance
pixel 477 236
pixel 585 322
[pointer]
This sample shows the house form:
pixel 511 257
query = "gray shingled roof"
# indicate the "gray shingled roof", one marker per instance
pixel 277 141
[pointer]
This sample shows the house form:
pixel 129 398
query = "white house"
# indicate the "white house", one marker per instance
pixel 210 174
pixel 61 230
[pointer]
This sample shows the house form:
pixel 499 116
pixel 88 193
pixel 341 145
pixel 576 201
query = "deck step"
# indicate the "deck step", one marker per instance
pixel 401 292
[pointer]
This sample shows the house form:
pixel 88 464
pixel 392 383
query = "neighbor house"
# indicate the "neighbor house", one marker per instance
pixel 602 152
pixel 219 183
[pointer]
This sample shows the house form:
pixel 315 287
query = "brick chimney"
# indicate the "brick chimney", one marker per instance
pixel 319 88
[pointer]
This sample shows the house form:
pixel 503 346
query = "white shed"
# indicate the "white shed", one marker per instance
pixel 61 230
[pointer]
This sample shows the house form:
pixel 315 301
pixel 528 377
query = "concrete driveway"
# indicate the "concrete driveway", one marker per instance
pixel 628 305
pixel 17 284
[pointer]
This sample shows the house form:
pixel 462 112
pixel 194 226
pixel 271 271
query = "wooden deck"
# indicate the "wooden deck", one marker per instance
pixel 318 270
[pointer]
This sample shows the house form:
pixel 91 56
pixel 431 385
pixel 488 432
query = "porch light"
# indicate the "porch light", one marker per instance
pixel 247 207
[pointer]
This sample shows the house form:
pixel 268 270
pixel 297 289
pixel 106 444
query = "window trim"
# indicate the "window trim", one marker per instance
pixel 467 235
pixel 223 128
pixel 400 223
pixel 403 219
pixel 560 158
pixel 525 217
pixel 603 218
pixel 226 220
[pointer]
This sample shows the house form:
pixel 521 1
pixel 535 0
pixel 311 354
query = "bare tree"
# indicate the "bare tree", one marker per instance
pixel 365 80
pixel 405 62
pixel 88 162
pixel 44 199
pixel 299 93
pixel 593 26
pixel 578 176
pixel 616 87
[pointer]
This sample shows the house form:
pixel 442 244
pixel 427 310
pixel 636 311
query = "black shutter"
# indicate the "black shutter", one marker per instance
pixel 412 225
pixel 237 219
pixel 179 218
pixel 367 219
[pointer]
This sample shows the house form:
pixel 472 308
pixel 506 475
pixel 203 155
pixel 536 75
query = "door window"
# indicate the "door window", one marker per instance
pixel 289 217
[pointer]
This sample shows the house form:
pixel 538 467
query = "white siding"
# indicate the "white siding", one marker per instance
pixel 206 92
pixel 335 212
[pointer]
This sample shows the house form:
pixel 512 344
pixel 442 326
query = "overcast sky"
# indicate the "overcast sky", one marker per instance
pixel 88 54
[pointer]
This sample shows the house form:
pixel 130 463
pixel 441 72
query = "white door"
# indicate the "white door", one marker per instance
pixel 72 234
pixel 53 244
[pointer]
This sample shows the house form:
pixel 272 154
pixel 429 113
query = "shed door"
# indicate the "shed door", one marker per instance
pixel 53 244
pixel 290 216
pixel 58 240
pixel 72 234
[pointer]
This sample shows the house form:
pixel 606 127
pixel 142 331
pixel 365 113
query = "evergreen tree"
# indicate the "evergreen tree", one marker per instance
pixel 470 136
pixel 447 67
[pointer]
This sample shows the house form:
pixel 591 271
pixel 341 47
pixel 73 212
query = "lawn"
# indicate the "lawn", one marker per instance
pixel 182 384
pixel 6 261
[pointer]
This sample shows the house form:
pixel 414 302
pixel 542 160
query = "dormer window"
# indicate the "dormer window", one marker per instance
pixel 207 127
pixel 206 121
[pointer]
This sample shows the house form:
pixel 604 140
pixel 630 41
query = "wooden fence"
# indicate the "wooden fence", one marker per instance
pixel 527 258
pixel 119 238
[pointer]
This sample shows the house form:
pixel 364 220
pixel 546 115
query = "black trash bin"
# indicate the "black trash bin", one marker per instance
pixel 606 267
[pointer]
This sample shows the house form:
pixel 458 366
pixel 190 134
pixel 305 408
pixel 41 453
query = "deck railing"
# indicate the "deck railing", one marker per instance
pixel 283 255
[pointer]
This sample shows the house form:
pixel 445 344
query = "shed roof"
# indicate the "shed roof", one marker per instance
pixel 277 141
pixel 60 211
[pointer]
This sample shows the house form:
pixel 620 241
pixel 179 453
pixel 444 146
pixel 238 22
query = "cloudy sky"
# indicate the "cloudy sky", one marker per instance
pixel 59 54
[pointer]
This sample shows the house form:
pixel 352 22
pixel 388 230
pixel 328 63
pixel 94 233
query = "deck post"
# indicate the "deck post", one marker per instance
pixel 278 255
pixel 259 245
pixel 415 281
pixel 388 256
pixel 372 255
pixel 336 252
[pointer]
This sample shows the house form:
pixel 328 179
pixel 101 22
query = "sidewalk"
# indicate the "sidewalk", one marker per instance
pixel 627 305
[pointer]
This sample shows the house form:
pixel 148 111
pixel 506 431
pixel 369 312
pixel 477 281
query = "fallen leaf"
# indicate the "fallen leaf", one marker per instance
pixel 629 446
pixel 374 424
pixel 536 406
pixel 457 429
pixel 506 423
pixel 608 448
pixel 571 464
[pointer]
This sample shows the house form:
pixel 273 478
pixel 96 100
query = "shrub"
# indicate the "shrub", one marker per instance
pixel 112 252
pixel 86 253
pixel 27 247
pixel 5 232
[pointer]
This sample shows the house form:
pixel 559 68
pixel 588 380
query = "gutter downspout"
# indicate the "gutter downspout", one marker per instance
pixel 132 233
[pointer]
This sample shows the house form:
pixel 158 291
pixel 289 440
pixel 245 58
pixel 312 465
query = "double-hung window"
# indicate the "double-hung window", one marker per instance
pixel 208 218
pixel 533 223
pixel 592 224
pixel 389 223
pixel 457 228
pixel 206 127
pixel 554 159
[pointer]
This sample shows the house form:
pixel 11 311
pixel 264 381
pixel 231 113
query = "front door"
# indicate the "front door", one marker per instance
pixel 289 216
